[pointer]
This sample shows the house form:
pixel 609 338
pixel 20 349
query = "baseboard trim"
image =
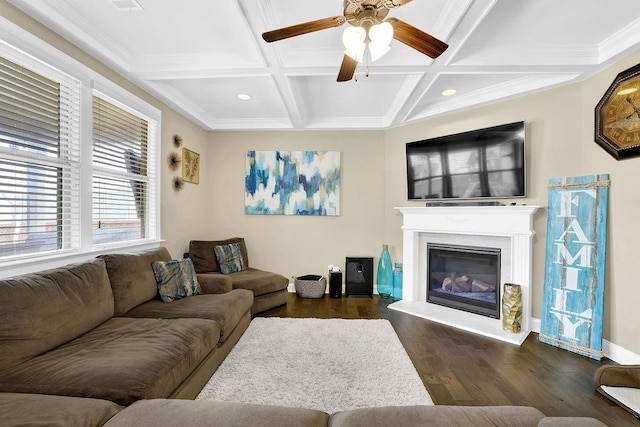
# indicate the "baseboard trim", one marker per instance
pixel 612 351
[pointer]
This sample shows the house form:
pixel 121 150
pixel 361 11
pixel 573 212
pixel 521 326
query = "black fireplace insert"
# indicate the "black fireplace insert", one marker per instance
pixel 464 277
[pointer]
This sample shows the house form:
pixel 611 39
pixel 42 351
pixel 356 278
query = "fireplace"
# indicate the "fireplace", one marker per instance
pixel 507 228
pixel 464 277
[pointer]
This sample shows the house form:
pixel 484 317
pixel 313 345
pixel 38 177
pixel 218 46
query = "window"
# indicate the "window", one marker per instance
pixel 39 142
pixel 78 166
pixel 122 179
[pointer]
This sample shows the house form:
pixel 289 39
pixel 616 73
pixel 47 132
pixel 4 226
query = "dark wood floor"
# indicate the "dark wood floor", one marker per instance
pixel 460 368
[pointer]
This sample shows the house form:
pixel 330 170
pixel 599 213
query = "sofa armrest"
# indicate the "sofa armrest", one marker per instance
pixel 617 376
pixel 214 283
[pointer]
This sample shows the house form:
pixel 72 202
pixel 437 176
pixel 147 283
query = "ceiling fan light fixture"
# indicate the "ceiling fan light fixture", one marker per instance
pixel 380 36
pixel 353 39
pixel 381 33
pixel 368 35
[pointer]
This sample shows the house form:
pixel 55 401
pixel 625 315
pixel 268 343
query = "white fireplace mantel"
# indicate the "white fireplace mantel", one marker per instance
pixel 509 228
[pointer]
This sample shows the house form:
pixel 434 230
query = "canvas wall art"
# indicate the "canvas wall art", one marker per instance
pixel 292 183
pixel 190 166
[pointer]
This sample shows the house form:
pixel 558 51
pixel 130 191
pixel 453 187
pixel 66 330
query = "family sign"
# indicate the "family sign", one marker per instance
pixel 573 295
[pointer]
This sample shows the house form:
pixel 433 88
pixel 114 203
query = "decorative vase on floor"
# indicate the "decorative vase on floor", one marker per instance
pixel 385 273
pixel 397 281
pixel 512 308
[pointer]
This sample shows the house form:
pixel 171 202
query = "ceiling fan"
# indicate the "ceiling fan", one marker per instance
pixel 370 34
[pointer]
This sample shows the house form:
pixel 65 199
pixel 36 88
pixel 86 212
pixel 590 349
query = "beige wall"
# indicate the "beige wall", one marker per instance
pixel 185 213
pixel 297 245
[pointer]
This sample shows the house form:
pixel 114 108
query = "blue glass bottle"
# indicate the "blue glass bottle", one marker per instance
pixel 385 273
pixel 397 281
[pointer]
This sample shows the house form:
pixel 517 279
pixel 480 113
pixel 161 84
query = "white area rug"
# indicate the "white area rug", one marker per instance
pixel 326 364
pixel 627 397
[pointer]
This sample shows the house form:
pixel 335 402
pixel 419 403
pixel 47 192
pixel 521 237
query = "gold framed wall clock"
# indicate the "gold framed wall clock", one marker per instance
pixel 617 124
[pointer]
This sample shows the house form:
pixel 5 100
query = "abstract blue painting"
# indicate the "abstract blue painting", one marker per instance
pixel 292 183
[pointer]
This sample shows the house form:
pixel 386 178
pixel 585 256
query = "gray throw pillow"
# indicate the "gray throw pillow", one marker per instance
pixel 176 279
pixel 230 258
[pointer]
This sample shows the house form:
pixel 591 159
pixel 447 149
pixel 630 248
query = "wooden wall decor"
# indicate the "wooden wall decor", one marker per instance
pixel 573 294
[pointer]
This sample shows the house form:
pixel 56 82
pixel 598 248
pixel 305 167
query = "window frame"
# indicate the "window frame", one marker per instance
pixel 149 230
pixel 15 38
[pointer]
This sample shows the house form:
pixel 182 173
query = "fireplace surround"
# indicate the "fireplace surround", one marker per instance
pixel 507 228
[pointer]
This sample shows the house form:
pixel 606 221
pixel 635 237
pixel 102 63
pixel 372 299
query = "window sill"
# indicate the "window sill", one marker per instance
pixel 37 263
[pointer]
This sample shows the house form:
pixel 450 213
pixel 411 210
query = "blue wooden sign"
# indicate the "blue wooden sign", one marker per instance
pixel 573 298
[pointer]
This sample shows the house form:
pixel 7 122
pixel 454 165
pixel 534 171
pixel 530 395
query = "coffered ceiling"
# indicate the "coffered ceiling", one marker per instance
pixel 198 55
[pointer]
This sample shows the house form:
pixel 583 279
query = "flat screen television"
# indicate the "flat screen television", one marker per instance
pixel 479 164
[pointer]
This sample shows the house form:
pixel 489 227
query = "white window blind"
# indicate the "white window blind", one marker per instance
pixel 123 174
pixel 39 158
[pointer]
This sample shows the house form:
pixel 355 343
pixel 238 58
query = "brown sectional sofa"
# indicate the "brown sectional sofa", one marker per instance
pixel 97 330
pixel 269 289
pixel 90 344
pixel 22 410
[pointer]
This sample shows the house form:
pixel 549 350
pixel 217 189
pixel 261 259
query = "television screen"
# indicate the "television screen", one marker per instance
pixel 483 163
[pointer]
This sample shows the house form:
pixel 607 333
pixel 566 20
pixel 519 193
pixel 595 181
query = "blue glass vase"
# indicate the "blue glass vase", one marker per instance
pixel 385 273
pixel 397 281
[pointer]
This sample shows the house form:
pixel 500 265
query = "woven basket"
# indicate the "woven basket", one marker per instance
pixel 310 286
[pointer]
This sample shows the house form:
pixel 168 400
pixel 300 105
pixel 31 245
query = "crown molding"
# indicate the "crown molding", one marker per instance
pixel 512 88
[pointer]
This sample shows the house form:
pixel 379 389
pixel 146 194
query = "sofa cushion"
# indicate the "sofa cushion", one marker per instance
pixel 122 360
pixel 204 258
pixel 226 309
pixel 259 282
pixel 43 310
pixel 132 278
pixel 409 416
pixel 229 258
pixel 176 279
pixel 179 413
pixel 22 409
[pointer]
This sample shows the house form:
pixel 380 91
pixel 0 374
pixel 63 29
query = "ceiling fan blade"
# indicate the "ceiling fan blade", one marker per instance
pixel 304 28
pixel 417 39
pixel 347 69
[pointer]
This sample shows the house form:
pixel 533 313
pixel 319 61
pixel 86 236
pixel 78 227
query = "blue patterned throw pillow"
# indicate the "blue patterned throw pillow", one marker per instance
pixel 176 279
pixel 230 258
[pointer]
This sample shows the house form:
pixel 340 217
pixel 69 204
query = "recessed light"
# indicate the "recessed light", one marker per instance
pixel 126 5
pixel 448 92
pixel 243 97
pixel 628 91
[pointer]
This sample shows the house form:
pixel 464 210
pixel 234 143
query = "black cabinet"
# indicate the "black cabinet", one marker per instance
pixel 359 277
